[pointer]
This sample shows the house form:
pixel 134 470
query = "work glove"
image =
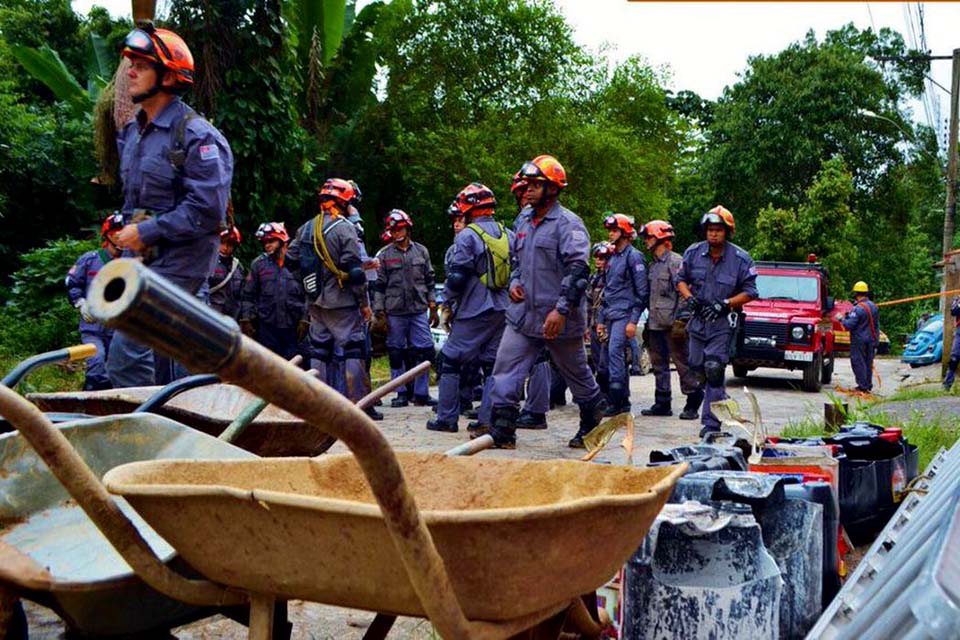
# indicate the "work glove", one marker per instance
pixel 246 326
pixel 695 305
pixel 81 306
pixel 713 310
pixel 434 316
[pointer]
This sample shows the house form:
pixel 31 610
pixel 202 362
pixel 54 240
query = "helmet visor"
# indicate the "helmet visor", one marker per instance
pixel 712 218
pixel 530 171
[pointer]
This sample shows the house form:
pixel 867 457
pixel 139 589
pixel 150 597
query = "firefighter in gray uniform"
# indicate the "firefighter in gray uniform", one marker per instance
pixel 666 325
pixel 404 291
pixel 326 255
pixel 863 323
pixel 716 279
pixel 548 307
pixel 624 299
pixel 477 277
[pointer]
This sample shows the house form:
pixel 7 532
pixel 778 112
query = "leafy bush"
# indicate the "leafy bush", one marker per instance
pixel 37 315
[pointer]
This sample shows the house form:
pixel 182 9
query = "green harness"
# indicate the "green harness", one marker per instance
pixel 498 257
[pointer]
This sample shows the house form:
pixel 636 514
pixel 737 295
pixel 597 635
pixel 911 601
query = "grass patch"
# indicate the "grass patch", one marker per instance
pixel 64 376
pixel 928 433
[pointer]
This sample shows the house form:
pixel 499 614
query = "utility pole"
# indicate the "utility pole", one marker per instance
pixel 950 215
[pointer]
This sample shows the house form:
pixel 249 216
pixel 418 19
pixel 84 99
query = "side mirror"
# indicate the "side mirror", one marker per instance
pixel 830 303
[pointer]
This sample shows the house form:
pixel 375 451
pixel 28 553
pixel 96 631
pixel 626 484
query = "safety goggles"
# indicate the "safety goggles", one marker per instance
pixel 711 218
pixel 530 171
pixel 610 222
pixel 141 42
pixel 268 229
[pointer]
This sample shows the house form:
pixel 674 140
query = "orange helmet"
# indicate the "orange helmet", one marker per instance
pixel 271 230
pixel 113 223
pixel 233 234
pixel 622 223
pixel 475 196
pixel 544 168
pixel 719 215
pixel 398 218
pixel 162 47
pixel 337 190
pixel 659 230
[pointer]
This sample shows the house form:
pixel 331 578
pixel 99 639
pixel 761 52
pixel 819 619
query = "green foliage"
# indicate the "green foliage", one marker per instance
pixel 38 316
pixel 45 65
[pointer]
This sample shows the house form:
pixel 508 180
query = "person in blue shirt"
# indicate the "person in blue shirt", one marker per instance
pixel 863 323
pixel 79 279
pixel 226 279
pixel 715 280
pixel 955 350
pixel 273 300
pixel 176 170
pixel 625 295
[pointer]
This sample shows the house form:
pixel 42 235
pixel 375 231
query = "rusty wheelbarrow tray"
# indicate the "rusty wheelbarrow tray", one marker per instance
pixel 209 409
pixel 90 586
pixel 592 517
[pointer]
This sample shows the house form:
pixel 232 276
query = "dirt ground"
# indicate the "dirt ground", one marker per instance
pixel 781 401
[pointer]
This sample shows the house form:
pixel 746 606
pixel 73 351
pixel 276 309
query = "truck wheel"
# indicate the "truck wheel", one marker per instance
pixel 826 375
pixel 811 374
pixel 740 371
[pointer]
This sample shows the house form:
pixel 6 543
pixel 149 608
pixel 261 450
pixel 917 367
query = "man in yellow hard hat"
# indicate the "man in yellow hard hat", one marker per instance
pixel 863 323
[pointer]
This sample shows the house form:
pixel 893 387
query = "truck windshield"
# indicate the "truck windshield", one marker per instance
pixel 795 288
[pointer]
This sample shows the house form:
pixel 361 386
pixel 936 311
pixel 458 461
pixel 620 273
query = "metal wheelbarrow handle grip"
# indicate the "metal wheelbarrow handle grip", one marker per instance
pixel 127 296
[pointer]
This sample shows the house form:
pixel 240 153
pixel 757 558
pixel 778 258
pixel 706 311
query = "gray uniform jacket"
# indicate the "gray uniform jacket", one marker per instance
pixel 625 287
pixel 469 253
pixel 343 243
pixel 664 297
pixel 733 273
pixel 544 255
pixel 405 280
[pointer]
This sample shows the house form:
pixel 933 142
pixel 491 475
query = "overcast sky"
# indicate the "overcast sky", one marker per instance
pixel 706 44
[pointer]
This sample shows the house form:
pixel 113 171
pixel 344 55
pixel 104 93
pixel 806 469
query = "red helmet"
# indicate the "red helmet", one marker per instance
pixel 271 230
pixel 162 47
pixel 719 215
pixel 602 250
pixel 337 190
pixel 453 210
pixel 475 196
pixel 622 223
pixel 398 218
pixel 544 168
pixel 658 230
pixel 518 185
pixel 232 234
pixel 113 223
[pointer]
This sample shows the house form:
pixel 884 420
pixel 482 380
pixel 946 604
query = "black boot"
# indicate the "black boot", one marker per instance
pixel 661 406
pixel 437 425
pixel 399 402
pixel 617 401
pixel 505 427
pixel 691 410
pixel 373 413
pixel 531 420
pixel 475 429
pixel 590 415
pixel 424 401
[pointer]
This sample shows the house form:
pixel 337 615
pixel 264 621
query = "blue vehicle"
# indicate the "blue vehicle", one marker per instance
pixel 926 345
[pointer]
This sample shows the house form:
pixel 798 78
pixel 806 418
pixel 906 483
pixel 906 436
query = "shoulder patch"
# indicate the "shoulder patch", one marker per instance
pixel 578 235
pixel 209 152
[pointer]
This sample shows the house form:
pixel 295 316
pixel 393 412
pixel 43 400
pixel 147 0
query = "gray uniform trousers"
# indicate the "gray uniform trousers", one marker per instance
pixel 665 347
pixel 538 389
pixel 617 355
pixel 714 345
pixel 331 328
pixel 408 331
pixel 473 339
pixel 517 355
pixel 861 361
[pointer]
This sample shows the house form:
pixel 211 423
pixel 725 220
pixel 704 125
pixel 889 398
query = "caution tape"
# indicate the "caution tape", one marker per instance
pixel 925 296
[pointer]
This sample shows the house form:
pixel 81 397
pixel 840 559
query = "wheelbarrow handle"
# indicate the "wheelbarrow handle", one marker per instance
pixel 175 388
pixel 77 352
pixel 126 295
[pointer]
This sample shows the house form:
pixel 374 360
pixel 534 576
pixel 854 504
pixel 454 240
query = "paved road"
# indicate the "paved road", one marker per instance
pixel 781 401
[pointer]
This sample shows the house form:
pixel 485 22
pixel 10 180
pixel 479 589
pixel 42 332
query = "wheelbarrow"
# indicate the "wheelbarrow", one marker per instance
pixel 84 579
pixel 499 547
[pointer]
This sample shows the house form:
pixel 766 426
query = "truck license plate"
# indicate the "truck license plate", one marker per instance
pixel 798 356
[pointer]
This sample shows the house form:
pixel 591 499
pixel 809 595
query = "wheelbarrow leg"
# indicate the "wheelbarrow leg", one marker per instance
pixel 261 617
pixel 380 627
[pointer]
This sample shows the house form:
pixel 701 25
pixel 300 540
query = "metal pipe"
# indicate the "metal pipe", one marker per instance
pixel 127 296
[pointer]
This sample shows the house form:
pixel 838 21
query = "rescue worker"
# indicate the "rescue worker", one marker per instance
pixel 715 280
pixel 863 323
pixel 79 279
pixel 625 296
pixel 598 356
pixel 325 255
pixel 176 170
pixel 666 325
pixel 548 308
pixel 403 292
pixel 226 280
pixel 476 286
pixel 955 350
pixel 273 300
